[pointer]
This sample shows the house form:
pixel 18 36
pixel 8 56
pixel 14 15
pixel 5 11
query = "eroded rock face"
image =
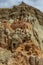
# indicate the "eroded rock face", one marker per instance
pixel 21 37
pixel 21 31
pixel 22 55
pixel 22 44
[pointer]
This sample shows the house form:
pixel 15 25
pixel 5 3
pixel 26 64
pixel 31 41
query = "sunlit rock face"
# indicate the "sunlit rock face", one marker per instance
pixel 21 36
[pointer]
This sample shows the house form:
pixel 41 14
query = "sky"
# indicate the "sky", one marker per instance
pixel 9 3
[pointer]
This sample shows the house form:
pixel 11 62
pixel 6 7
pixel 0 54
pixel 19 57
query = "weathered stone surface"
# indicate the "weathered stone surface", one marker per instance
pixel 40 61
pixel 32 60
pixel 21 36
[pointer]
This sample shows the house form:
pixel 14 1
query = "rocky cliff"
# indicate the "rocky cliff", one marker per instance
pixel 21 36
pixel 21 9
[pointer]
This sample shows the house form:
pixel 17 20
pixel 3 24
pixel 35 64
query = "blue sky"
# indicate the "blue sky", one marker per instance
pixel 9 3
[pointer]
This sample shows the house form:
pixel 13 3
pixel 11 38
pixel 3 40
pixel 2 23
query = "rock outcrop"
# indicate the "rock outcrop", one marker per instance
pixel 21 36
